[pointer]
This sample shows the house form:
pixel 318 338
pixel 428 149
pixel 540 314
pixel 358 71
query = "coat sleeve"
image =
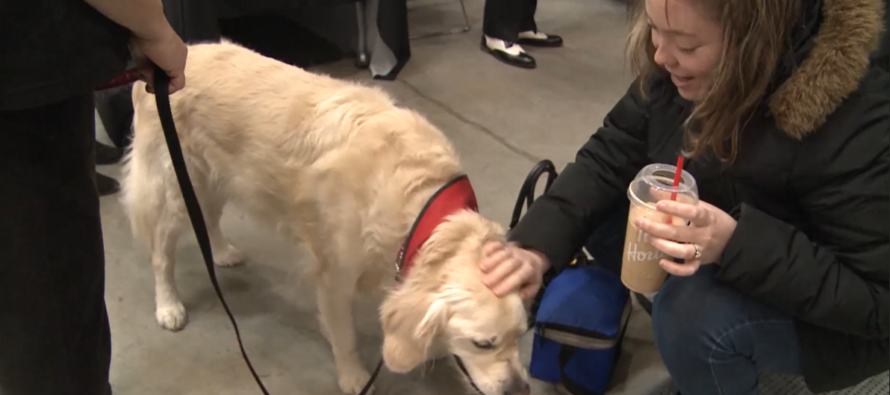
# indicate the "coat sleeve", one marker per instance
pixel 559 222
pixel 832 271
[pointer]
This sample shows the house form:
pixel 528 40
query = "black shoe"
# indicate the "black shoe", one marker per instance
pixel 106 185
pixel 522 60
pixel 550 41
pixel 108 155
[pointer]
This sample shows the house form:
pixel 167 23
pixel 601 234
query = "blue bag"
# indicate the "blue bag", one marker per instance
pixel 579 328
pixel 580 317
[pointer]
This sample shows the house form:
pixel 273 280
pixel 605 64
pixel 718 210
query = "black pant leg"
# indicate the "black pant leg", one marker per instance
pixel 502 19
pixel 115 108
pixel 54 331
pixel 528 16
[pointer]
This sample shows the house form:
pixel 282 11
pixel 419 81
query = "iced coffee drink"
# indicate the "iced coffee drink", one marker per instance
pixel 640 270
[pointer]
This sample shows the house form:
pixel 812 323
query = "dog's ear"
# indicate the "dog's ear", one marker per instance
pixel 410 321
pixel 416 313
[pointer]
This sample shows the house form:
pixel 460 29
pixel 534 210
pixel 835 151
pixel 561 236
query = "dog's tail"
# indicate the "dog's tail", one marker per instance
pixel 138 92
pixel 149 191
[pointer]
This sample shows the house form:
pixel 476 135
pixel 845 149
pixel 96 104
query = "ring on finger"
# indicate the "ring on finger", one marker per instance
pixel 697 254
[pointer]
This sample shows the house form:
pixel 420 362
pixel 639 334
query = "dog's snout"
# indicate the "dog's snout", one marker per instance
pixel 517 386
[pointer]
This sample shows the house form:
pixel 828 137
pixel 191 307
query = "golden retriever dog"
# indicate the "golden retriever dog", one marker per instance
pixel 339 168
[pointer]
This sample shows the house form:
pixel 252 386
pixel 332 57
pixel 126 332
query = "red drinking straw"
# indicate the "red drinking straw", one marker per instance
pixel 678 172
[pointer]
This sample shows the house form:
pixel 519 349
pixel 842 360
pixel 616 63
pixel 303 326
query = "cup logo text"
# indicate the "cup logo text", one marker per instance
pixel 647 253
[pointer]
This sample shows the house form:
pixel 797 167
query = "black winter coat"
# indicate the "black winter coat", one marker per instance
pixel 810 191
pixel 51 50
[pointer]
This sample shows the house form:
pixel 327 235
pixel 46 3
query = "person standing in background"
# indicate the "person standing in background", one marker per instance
pixel 509 24
pixel 54 327
pixel 107 155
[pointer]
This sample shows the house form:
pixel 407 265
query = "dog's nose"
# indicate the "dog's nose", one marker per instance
pixel 517 386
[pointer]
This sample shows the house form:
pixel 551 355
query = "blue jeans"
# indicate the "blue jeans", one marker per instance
pixel 713 339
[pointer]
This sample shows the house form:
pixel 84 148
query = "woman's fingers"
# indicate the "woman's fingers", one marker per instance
pixel 683 234
pixel 492 253
pixel 677 250
pixel 529 291
pixel 491 247
pixel 697 214
pixel 502 269
pixel 671 248
pixel 514 280
pixel 505 271
pixel 680 269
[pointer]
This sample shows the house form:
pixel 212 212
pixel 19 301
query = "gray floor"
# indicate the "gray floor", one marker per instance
pixel 502 120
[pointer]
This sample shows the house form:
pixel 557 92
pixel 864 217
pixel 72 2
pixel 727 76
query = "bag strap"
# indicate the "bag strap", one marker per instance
pixel 527 191
pixel 566 352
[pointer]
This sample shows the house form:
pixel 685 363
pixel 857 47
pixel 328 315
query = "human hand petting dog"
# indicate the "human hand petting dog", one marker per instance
pixel 702 242
pixel 508 268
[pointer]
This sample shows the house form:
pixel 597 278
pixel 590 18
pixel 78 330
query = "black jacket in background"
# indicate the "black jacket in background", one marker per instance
pixel 810 191
pixel 53 49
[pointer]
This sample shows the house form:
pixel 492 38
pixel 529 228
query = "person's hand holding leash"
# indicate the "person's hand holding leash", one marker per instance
pixel 508 268
pixel 153 41
pixel 702 242
pixel 164 49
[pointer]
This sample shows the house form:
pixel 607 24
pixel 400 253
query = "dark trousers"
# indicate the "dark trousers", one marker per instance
pixel 54 332
pixel 505 19
pixel 712 338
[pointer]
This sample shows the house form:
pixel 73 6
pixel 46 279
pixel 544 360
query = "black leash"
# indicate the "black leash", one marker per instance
pixel 162 97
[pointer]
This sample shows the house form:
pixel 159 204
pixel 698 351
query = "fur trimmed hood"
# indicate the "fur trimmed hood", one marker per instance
pixel 839 39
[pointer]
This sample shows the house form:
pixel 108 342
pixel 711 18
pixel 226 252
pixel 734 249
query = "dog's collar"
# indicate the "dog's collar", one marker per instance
pixel 452 197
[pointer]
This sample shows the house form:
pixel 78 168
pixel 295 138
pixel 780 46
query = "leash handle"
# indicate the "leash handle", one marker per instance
pixel 162 98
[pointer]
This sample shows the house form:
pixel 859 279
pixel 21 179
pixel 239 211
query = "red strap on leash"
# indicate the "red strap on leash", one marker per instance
pixel 128 77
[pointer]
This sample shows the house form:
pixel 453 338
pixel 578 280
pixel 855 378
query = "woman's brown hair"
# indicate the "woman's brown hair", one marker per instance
pixel 756 36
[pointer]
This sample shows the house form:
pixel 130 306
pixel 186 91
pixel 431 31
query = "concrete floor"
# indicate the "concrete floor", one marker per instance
pixel 502 120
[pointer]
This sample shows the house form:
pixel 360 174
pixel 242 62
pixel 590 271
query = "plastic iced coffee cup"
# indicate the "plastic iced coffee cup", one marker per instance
pixel 640 270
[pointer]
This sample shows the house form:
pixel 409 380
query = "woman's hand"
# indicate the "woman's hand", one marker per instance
pixel 700 243
pixel 508 268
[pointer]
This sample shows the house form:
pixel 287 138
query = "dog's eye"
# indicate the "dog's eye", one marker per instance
pixel 483 344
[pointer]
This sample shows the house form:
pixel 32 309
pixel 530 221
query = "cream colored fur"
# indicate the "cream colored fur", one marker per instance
pixel 339 167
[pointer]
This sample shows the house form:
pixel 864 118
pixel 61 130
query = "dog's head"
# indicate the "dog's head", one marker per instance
pixel 443 307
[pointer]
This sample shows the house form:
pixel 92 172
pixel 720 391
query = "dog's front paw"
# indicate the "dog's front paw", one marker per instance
pixel 228 257
pixel 352 381
pixel 171 317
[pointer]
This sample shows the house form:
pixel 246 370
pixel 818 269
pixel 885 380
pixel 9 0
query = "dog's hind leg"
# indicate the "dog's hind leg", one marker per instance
pixel 151 198
pixel 169 310
pixel 224 254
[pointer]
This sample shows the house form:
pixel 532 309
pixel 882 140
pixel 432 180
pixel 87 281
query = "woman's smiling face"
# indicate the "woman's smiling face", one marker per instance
pixel 688 44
